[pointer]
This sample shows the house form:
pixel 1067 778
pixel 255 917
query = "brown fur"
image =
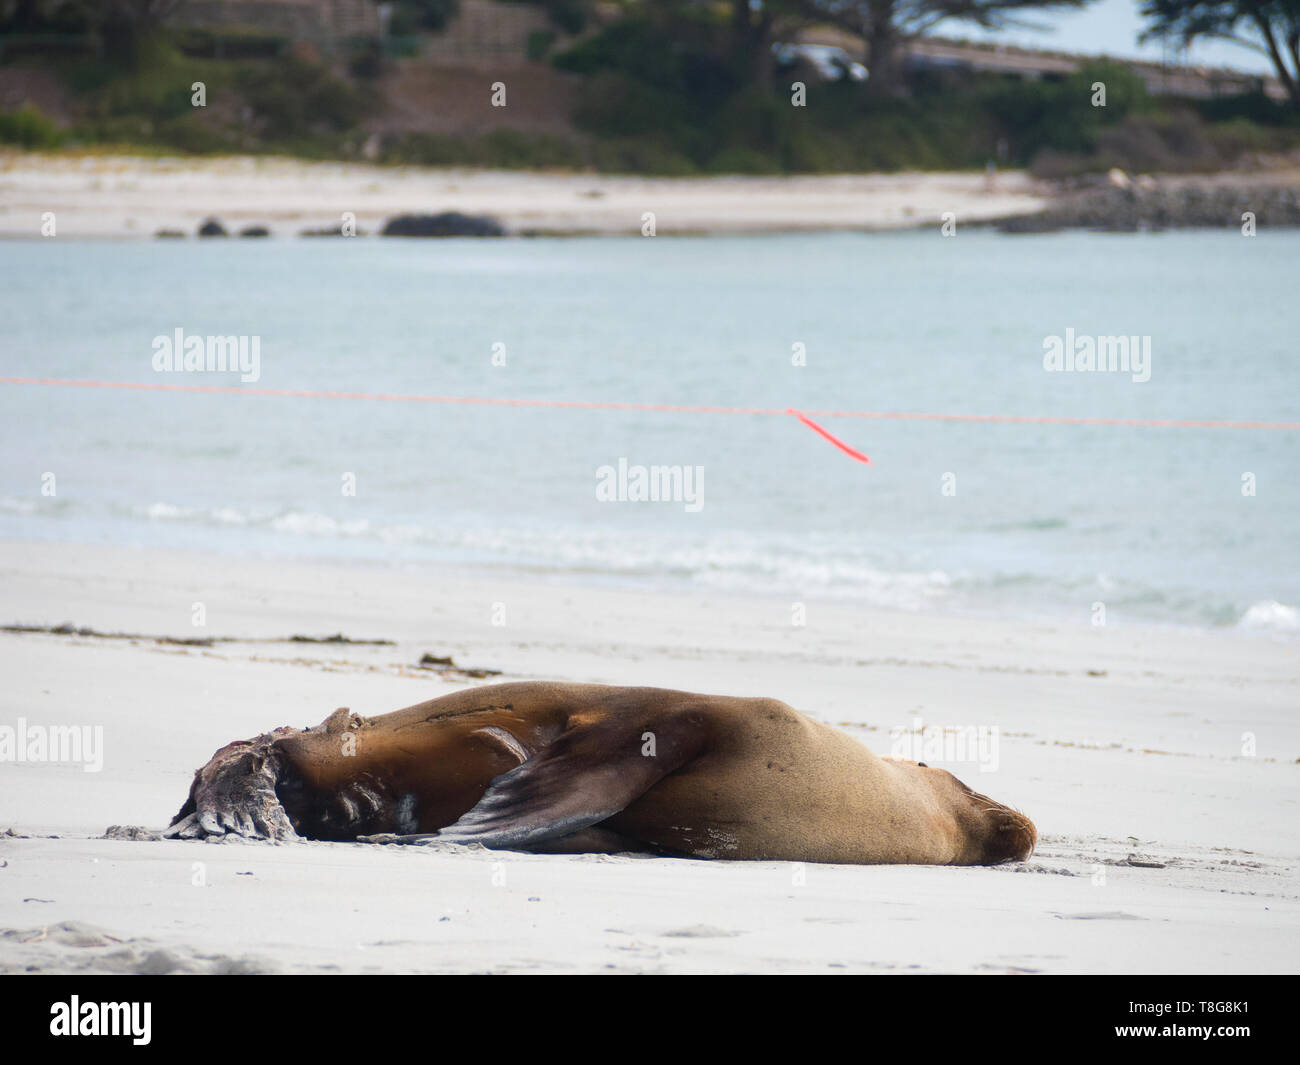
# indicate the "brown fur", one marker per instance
pixel 555 767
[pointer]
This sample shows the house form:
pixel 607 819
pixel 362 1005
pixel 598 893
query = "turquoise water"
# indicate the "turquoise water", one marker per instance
pixel 1045 520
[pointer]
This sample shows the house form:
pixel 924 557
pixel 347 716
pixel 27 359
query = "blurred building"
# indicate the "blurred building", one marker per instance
pixel 940 54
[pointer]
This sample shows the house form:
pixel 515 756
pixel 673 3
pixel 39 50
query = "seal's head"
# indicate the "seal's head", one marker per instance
pixel 1010 835
pixel 997 833
pixel 990 832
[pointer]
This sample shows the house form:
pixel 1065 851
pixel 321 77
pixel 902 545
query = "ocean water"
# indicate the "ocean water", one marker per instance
pixel 1013 519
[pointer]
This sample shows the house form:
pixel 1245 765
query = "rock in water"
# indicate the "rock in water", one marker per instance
pixel 329 231
pixel 447 224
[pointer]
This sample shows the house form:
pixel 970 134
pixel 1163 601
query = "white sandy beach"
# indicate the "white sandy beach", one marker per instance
pixel 1163 848
pixel 118 196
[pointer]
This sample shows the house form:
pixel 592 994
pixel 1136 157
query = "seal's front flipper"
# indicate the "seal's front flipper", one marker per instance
pixel 588 774
pixel 234 794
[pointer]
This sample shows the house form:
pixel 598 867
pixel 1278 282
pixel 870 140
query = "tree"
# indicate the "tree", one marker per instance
pixel 411 16
pixel 122 25
pixel 43 16
pixel 886 25
pixel 1271 27
pixel 755 27
pixel 752 27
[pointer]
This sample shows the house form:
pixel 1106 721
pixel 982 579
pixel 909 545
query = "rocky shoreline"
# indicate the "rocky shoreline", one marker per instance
pixel 1118 204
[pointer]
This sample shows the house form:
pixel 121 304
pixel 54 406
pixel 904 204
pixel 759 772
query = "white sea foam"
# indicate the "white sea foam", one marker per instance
pixel 820 565
pixel 169 512
pixel 307 523
pixel 1269 615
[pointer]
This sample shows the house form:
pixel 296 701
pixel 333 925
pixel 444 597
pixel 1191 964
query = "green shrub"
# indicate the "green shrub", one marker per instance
pixel 742 160
pixel 411 16
pixel 512 150
pixel 367 62
pixel 28 128
pixel 641 155
pixel 1252 106
pixel 501 149
pixel 539 43
pixel 632 47
pixel 571 16
pixel 192 133
pixel 293 99
pixel 1240 135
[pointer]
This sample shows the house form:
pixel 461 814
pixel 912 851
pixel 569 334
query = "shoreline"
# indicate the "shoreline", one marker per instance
pixel 543 575
pixel 135 196
pixel 142 197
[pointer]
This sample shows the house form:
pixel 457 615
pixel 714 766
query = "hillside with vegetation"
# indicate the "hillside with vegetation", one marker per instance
pixel 671 88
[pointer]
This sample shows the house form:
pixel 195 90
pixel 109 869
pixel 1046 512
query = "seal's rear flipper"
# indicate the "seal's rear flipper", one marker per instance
pixel 587 775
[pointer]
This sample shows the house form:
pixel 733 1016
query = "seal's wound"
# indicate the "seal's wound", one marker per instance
pixel 565 768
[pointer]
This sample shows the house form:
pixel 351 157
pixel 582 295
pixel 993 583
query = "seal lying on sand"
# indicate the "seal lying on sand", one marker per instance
pixel 589 767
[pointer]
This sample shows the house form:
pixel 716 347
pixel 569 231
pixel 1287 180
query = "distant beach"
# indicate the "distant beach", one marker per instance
pixel 116 196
